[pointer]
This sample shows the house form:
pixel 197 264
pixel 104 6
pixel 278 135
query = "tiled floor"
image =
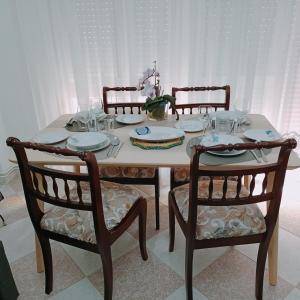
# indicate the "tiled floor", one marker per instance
pixel 223 273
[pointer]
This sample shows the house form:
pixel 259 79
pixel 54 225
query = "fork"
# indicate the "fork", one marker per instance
pixel 118 149
pixel 262 153
pixel 114 143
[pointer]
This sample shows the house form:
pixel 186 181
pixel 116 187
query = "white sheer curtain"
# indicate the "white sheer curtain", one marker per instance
pixel 74 47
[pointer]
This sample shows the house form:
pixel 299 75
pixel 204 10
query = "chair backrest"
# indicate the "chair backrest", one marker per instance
pixel 54 186
pixel 123 106
pixel 278 169
pixel 203 106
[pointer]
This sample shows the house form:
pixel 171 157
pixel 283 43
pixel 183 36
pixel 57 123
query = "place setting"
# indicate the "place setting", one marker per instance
pixel 102 144
pixel 225 128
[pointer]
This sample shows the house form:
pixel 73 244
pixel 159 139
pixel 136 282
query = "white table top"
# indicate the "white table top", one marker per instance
pixel 130 155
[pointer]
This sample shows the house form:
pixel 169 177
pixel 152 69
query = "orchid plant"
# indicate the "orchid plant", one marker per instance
pixel 149 85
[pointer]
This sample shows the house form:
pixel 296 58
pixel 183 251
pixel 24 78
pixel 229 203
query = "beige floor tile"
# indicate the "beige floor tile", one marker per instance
pixel 159 245
pixel 18 239
pixel 90 262
pixel 31 284
pixel 287 256
pixel 13 209
pixel 151 230
pixel 138 279
pixel 289 218
pixel 293 295
pixel 233 277
pixel 180 294
pixel 79 291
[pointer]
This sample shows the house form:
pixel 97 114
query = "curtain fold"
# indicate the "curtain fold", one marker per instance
pixel 75 47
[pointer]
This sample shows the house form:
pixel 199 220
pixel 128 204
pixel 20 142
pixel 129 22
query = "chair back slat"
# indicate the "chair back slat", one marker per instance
pixel 67 189
pixel 123 107
pixel 79 191
pixel 252 184
pixel 225 188
pixel 238 186
pixel 200 106
pixel 60 194
pixel 218 193
pixel 45 185
pixel 264 183
pixel 55 187
pixel 60 188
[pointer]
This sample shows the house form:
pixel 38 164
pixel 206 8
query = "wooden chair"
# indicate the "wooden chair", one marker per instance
pixel 231 203
pixel 130 175
pixel 88 215
pixel 180 176
pixel 3 221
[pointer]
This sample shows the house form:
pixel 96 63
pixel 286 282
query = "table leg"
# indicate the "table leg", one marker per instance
pixel 247 181
pixel 273 247
pixel 38 249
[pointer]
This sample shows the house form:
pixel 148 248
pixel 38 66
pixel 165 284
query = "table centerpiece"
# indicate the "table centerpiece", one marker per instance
pixel 156 103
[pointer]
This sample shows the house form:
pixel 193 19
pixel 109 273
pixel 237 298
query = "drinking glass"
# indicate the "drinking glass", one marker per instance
pixel 92 123
pixel 83 115
pixel 109 123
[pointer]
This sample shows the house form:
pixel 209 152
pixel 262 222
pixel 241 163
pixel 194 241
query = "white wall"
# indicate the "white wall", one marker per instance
pixel 17 113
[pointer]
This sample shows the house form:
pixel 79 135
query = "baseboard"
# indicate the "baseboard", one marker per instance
pixel 7 176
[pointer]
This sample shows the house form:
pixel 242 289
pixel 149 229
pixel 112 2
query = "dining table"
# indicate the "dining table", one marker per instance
pixel 131 155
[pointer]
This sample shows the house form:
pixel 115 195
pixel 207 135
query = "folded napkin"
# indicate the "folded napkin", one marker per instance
pixel 157 145
pixel 142 130
pixel 78 121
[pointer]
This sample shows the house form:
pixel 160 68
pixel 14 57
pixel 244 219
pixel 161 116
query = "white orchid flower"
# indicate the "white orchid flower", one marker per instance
pixel 148 73
pixel 149 90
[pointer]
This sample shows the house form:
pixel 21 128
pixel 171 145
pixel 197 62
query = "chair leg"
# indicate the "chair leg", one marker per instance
pixel 107 273
pixel 142 229
pixel 171 226
pixel 189 253
pixel 3 221
pixel 157 204
pixel 260 269
pixel 47 257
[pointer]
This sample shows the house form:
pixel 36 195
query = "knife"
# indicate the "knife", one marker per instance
pixel 255 156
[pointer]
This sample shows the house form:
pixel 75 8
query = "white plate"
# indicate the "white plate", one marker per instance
pixel 158 133
pixel 263 135
pixel 130 119
pixel 107 143
pixel 51 137
pixel 87 140
pixel 190 125
pixel 217 139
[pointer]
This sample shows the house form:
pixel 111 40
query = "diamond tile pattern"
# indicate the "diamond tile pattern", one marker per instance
pixel 221 273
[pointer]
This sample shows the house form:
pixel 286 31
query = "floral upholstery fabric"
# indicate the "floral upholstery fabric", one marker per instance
pixel 117 200
pixel 182 174
pixel 128 172
pixel 221 221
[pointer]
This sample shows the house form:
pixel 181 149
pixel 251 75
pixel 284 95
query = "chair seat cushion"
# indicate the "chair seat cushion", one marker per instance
pixel 126 172
pixel 221 221
pixel 117 200
pixel 181 174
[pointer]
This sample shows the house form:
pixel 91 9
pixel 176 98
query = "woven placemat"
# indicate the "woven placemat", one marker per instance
pixel 157 145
